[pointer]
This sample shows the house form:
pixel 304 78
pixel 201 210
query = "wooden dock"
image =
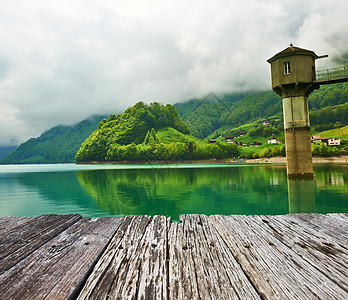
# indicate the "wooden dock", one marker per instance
pixel 301 256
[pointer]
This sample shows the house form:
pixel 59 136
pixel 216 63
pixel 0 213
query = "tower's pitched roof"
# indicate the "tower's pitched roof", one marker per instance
pixel 290 51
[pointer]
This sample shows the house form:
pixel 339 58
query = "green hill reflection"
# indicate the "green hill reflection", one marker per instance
pixel 174 191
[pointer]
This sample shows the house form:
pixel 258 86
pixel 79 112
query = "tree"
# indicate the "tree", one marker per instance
pixel 252 132
pixel 138 124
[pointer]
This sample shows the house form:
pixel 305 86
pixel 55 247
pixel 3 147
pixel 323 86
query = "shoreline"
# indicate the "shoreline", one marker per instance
pixel 343 159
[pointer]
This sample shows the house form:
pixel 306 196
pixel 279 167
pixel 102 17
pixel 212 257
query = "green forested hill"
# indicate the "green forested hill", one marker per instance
pixel 148 132
pixel 187 107
pixel 329 95
pixel 57 145
pixel 131 127
pixel 329 117
pixel 204 117
pixel 207 116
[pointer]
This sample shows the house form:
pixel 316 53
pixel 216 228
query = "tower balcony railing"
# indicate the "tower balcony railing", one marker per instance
pixel 332 75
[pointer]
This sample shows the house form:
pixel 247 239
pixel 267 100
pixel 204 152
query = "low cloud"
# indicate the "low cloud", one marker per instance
pixel 61 61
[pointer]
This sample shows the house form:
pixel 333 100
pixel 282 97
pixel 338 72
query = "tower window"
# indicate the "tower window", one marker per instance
pixel 287 68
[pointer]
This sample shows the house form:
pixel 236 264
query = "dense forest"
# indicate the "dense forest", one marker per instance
pixel 329 117
pixel 204 116
pixel 58 144
pixel 133 136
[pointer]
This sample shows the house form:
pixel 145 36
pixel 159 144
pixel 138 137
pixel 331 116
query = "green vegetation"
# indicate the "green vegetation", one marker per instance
pixel 57 145
pixel 329 95
pixel 265 150
pixel 208 116
pixel 329 117
pixel 168 135
pixel 204 116
pixel 342 133
pixel 323 150
pixel 148 132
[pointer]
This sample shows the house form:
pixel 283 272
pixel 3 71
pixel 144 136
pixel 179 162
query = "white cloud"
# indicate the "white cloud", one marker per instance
pixel 61 61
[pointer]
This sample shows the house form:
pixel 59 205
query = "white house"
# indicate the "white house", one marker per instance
pixel 272 140
pixel 334 141
pixel 331 141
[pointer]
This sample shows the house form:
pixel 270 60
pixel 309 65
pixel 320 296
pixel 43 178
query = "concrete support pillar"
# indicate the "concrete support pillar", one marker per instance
pixel 297 137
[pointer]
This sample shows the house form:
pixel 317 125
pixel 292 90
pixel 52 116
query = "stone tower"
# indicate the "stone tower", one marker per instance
pixel 293 78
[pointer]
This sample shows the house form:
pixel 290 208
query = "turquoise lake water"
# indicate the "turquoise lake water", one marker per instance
pixel 171 190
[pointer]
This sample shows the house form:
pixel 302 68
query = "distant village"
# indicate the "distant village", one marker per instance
pixel 329 141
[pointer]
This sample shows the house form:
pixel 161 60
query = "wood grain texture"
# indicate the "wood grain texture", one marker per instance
pixel 319 249
pixel 22 240
pixel 276 270
pixel 58 268
pixel 8 223
pixel 334 225
pixel 297 256
pixel 200 264
pixel 116 275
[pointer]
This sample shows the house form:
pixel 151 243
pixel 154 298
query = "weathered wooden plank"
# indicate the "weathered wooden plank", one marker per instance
pixel 20 241
pixel 328 240
pixel 223 257
pixel 318 250
pixel 275 270
pixel 182 279
pixel 57 269
pixel 8 223
pixel 116 275
pixel 325 225
pixel 150 263
pixel 200 264
pixel 340 217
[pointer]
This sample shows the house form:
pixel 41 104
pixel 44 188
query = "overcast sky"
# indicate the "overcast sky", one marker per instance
pixel 61 61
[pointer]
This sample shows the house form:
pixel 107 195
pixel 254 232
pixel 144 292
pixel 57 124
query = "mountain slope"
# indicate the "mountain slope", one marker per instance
pixel 57 145
pixel 131 127
pixel 207 116
pixel 204 116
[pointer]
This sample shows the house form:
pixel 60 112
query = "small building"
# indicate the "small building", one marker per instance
pixel 229 139
pixel 331 141
pixel 266 122
pixel 316 139
pixel 241 133
pixel 272 140
pixel 238 143
pixel 211 141
pixel 255 144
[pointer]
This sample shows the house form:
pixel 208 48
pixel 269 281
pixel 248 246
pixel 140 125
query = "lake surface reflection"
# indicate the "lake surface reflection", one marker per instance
pixel 169 190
